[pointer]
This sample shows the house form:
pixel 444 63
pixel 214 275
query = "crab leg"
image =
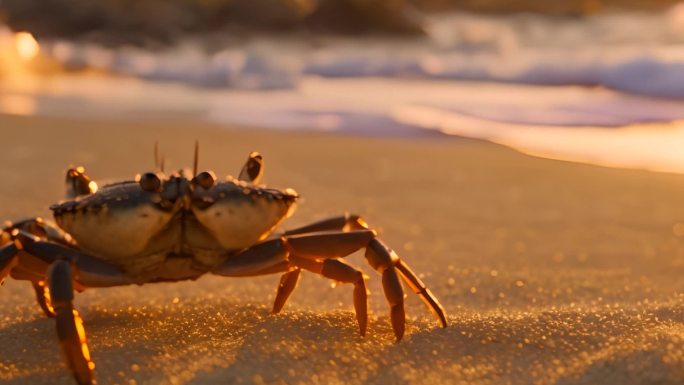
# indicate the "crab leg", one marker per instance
pixel 328 244
pixel 92 272
pixel 44 298
pixel 380 257
pixel 8 259
pixel 418 287
pixel 69 324
pixel 265 258
pixel 288 282
pixel 272 256
pixel 318 252
pixel 345 222
pixel 29 270
pixel 341 272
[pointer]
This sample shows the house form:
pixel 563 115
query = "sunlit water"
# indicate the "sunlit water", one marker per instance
pixel 594 90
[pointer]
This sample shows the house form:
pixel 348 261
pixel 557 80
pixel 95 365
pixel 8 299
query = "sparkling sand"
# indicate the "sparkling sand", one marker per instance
pixel 551 272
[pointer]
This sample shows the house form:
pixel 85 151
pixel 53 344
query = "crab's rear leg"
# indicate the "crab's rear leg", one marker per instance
pixel 69 324
pixel 289 280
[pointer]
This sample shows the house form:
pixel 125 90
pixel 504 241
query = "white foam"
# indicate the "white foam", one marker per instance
pixel 602 50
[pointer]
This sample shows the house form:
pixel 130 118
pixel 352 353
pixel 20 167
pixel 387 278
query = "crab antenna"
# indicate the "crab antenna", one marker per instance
pixel 156 155
pixel 161 164
pixel 194 167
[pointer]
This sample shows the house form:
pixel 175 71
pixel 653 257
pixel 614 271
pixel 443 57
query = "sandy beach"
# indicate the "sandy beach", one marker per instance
pixel 550 272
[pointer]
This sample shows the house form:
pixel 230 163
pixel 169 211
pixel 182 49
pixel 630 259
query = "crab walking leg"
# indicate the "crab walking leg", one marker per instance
pixel 272 257
pixel 341 272
pixel 380 257
pixel 69 324
pixel 328 244
pixel 264 258
pixel 45 231
pixel 92 272
pixel 347 222
pixel 288 283
pixel 423 292
pixel 8 259
pixel 44 298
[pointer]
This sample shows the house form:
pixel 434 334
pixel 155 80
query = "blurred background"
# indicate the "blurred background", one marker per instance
pixel 598 81
pixel 552 273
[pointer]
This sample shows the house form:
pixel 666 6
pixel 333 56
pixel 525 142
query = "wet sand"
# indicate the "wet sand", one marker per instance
pixel 551 272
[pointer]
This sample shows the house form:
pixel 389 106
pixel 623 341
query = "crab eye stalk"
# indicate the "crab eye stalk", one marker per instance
pixel 78 183
pixel 205 179
pixel 149 181
pixel 253 169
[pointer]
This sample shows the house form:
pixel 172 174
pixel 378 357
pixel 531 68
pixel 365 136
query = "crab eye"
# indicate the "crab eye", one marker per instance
pixel 78 183
pixel 149 181
pixel 206 179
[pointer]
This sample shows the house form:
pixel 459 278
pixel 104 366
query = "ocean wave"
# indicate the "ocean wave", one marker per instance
pixel 604 50
pixel 656 74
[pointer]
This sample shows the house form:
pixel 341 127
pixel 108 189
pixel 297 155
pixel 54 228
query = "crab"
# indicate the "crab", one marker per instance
pixel 161 228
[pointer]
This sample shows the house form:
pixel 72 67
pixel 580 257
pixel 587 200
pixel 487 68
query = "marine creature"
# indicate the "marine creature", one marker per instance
pixel 161 228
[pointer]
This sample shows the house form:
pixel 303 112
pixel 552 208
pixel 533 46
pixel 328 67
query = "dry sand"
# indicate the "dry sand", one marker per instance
pixel 551 272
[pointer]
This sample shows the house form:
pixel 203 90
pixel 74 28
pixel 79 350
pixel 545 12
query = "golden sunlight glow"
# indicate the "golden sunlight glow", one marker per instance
pixel 27 46
pixel 93 186
pixel 15 104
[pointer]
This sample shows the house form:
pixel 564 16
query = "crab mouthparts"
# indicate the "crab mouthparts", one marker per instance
pixel 177 187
